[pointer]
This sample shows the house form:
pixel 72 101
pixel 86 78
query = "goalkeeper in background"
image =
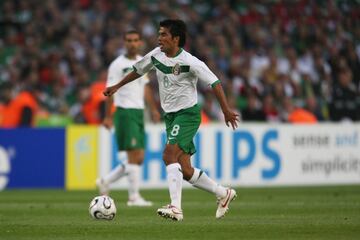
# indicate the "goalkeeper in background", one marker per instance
pixel 177 73
pixel 128 120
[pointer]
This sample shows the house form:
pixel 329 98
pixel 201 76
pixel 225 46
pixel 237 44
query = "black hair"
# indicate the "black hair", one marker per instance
pixel 177 28
pixel 132 32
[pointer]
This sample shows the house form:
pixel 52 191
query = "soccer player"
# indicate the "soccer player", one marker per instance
pixel 177 73
pixel 128 119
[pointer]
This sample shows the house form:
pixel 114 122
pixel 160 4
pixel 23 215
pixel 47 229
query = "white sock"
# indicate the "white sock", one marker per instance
pixel 133 171
pixel 116 173
pixel 201 180
pixel 175 178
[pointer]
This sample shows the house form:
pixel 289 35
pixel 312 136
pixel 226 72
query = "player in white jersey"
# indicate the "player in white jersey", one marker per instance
pixel 128 120
pixel 178 72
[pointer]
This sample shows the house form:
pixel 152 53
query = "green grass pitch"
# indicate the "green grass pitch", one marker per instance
pixel 257 213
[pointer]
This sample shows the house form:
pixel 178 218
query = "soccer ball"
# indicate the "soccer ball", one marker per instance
pixel 102 207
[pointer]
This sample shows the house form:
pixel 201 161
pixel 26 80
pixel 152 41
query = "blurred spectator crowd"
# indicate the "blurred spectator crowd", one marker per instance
pixel 279 61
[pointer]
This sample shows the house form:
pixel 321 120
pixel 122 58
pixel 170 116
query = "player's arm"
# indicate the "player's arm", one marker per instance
pixel 108 121
pixel 141 67
pixel 109 91
pixel 149 98
pixel 230 116
pixel 200 70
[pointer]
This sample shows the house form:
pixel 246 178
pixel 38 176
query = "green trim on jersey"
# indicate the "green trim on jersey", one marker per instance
pixel 169 69
pixel 135 70
pixel 126 70
pixel 215 83
pixel 178 52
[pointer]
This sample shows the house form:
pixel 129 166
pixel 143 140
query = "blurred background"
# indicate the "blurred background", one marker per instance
pixel 279 61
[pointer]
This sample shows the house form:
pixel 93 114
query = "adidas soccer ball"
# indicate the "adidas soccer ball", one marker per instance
pixel 102 207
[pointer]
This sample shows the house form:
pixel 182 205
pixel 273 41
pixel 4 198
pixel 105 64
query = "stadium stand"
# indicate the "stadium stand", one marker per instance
pixel 265 53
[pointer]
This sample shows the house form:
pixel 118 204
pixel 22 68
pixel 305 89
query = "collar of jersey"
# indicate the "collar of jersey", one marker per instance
pixel 178 53
pixel 168 69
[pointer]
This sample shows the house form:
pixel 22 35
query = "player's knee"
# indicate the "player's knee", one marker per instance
pixel 187 173
pixel 135 158
pixel 169 156
pixel 140 159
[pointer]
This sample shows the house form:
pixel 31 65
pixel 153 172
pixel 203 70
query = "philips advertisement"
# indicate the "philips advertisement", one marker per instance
pixel 32 158
pixel 254 155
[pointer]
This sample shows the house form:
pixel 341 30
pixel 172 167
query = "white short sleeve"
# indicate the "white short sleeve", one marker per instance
pixel 145 64
pixel 113 75
pixel 199 69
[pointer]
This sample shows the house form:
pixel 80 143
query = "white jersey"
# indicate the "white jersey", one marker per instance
pixel 177 77
pixel 130 95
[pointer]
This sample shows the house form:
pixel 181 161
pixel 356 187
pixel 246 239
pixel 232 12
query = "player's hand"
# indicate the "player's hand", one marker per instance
pixel 156 116
pixel 231 118
pixel 109 91
pixel 108 122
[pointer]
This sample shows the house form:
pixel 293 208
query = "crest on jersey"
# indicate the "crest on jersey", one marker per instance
pixel 176 69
